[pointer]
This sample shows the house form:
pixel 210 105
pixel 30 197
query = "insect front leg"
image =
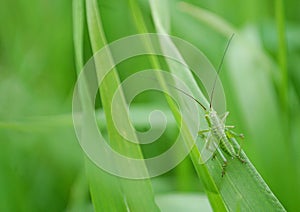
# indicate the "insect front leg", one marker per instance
pixel 209 148
pixel 224 116
pixel 232 134
pixel 202 133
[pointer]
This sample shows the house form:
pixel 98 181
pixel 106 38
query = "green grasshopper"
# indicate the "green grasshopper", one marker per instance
pixel 218 136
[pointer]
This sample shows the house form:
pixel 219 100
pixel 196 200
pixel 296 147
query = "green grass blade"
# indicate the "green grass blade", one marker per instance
pixel 78 32
pixel 241 188
pixel 105 189
pixel 208 18
pixel 266 129
pixel 210 186
pixel 137 195
pixel 282 55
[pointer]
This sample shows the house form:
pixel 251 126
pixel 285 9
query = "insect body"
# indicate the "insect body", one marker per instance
pixel 218 136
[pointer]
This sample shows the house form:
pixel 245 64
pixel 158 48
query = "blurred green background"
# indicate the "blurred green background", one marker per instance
pixel 41 163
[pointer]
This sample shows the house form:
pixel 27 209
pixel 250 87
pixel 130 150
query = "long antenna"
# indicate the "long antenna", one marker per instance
pixel 219 69
pixel 189 96
pixel 182 91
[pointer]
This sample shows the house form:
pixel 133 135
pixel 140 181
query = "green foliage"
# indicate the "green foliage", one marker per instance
pixel 43 168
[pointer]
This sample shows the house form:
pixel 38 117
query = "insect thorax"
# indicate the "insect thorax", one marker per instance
pixel 216 124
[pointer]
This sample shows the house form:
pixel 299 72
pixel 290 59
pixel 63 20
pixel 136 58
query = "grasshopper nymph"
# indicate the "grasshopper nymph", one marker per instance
pixel 218 136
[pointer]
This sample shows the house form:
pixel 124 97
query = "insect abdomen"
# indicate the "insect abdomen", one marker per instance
pixel 227 147
pixel 224 143
pixel 218 131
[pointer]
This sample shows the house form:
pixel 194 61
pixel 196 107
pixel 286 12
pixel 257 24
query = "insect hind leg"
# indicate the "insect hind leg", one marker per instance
pixel 224 165
pixel 238 156
pixel 231 135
